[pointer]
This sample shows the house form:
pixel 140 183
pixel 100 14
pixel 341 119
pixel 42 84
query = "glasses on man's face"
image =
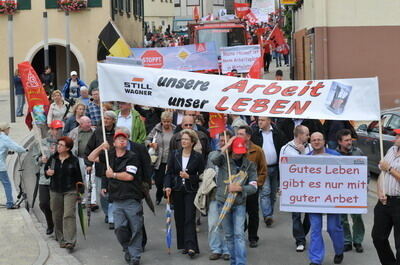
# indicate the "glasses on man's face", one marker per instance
pixel 188 125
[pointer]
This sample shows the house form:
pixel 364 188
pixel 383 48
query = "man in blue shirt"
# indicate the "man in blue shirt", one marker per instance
pixel 316 250
pixel 6 145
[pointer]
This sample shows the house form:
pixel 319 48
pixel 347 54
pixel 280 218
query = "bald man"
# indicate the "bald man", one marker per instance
pixel 316 252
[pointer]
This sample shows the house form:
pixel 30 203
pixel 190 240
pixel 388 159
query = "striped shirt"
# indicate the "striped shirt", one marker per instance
pixel 392 186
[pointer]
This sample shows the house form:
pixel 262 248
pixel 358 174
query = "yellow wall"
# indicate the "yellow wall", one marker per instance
pixel 85 28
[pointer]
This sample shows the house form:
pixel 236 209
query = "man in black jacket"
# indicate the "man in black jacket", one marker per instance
pixel 270 139
pixel 288 125
pixel 123 183
pixel 95 141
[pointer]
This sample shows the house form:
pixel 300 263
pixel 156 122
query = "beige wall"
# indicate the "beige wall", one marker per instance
pixel 157 11
pixel 85 28
pixel 336 13
pixel 131 28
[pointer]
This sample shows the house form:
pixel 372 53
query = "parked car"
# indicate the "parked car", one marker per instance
pixel 368 137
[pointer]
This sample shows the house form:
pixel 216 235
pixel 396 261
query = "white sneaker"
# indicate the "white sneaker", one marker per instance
pixel 300 248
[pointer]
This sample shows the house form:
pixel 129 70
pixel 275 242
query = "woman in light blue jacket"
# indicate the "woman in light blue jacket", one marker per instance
pixel 6 145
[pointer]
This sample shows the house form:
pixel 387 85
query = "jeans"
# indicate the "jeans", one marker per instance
pixel 386 219
pixel 300 228
pixel 20 104
pixel 7 188
pixel 268 192
pixel 233 226
pixel 358 229
pixel 216 239
pixel 316 251
pixel 129 226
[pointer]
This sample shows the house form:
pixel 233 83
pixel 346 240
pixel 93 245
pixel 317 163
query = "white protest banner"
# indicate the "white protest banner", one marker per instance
pixel 323 184
pixel 267 6
pixel 340 99
pixel 239 57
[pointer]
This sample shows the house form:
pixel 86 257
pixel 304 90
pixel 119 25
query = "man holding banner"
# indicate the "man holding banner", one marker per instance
pixel 387 210
pixel 317 250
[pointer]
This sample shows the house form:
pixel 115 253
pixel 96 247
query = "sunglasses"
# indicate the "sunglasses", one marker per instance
pixel 188 124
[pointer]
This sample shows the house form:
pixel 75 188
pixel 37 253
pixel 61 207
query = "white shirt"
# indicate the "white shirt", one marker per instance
pixel 392 185
pixel 185 161
pixel 179 117
pixel 125 122
pixel 269 147
pixel 290 149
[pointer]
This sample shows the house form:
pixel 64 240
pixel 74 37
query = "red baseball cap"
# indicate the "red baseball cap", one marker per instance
pixel 56 124
pixel 117 134
pixel 397 131
pixel 239 146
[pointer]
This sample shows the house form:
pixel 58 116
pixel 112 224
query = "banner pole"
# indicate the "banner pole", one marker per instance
pixel 227 159
pixel 103 128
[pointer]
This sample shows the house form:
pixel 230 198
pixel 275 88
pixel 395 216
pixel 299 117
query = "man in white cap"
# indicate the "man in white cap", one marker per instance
pixel 71 89
pixel 6 145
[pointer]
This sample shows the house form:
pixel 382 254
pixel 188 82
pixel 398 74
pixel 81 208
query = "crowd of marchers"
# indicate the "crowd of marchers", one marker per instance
pixel 235 173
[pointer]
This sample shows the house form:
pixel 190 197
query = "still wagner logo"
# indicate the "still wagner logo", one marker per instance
pixel 137 86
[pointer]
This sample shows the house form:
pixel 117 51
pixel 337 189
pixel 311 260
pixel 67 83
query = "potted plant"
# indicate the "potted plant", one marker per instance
pixel 8 7
pixel 72 5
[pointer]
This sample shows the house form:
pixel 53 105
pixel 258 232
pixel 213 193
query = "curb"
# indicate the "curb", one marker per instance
pixel 43 247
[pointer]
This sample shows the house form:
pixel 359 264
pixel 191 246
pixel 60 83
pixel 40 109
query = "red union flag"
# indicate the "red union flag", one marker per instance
pixel 241 9
pixel 152 58
pixel 278 41
pixel 216 124
pixel 255 70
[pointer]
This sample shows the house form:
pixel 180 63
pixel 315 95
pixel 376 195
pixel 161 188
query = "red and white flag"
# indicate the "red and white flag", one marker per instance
pixel 255 70
pixel 278 41
pixel 241 9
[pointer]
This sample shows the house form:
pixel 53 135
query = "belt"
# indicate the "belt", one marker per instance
pixel 393 197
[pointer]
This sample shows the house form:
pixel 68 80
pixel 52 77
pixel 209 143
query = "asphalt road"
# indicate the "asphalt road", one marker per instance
pixel 276 245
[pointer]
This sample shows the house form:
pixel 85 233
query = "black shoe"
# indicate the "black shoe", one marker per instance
pixel 191 253
pixel 226 257
pixel 111 226
pixel 268 221
pixel 347 247
pixel 134 262
pixel 338 259
pixel 94 207
pixel 127 256
pixel 49 231
pixel 106 219
pixel 359 248
pixel 253 244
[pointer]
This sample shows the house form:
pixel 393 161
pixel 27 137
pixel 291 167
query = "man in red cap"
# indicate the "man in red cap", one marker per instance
pixel 122 182
pixel 387 210
pixel 233 222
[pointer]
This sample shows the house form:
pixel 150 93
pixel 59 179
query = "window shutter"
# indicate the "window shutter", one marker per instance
pixel 24 4
pixel 94 3
pixel 51 4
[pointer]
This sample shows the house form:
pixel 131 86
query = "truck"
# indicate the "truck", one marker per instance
pixel 223 33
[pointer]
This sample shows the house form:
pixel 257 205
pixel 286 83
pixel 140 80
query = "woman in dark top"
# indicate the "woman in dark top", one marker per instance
pixel 64 171
pixel 182 181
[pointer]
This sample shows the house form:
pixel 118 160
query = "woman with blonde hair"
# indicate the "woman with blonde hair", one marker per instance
pixel 72 122
pixel 58 109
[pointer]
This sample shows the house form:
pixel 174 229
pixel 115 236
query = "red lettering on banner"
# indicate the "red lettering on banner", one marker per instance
pixel 240 102
pixel 289 91
pixel 240 86
pixel 260 105
pixel 305 89
pixel 314 89
pixel 341 199
pixel 279 104
pixel 254 87
pixel 273 86
pixel 297 108
pixel 220 103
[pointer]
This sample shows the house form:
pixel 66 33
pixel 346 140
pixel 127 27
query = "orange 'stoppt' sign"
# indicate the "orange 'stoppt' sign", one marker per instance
pixel 152 58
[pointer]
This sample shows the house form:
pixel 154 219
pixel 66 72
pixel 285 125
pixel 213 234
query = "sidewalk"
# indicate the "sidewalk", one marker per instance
pixel 21 243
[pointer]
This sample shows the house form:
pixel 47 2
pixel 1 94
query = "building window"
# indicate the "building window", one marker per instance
pixel 94 3
pixel 128 7
pixel 219 3
pixel 24 4
pixel 51 4
pixel 192 2
pixel 177 3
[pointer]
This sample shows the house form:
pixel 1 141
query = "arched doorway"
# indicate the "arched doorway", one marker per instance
pixel 57 61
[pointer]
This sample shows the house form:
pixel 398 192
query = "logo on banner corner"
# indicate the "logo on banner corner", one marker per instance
pixel 138 86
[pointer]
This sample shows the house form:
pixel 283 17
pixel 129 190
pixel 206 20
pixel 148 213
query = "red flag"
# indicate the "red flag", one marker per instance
pixel 34 91
pixel 196 15
pixel 241 9
pixel 255 70
pixel 216 124
pixel 278 41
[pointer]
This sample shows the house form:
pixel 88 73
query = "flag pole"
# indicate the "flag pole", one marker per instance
pixel 227 159
pixel 381 178
pixel 103 129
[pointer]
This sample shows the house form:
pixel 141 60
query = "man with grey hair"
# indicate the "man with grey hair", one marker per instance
pixel 96 140
pixel 84 98
pixel 81 136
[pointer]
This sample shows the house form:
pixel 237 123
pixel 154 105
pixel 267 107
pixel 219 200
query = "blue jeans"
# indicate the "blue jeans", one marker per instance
pixel 7 188
pixel 20 104
pixel 106 206
pixel 233 226
pixel 316 251
pixel 129 226
pixel 268 192
pixel 300 228
pixel 216 240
